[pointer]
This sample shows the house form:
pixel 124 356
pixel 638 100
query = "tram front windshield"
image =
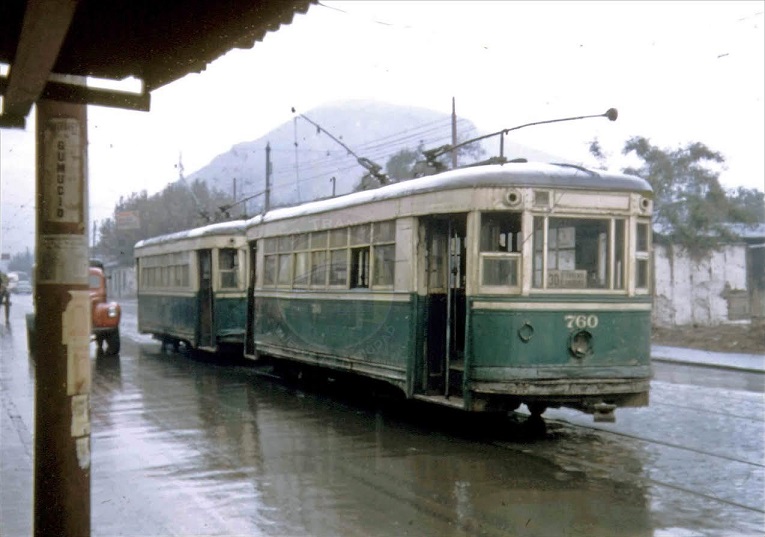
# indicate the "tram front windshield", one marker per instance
pixel 579 253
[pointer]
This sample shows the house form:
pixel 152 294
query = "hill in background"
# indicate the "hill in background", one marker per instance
pixel 304 160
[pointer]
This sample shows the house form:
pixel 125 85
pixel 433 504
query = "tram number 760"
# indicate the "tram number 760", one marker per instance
pixel 581 321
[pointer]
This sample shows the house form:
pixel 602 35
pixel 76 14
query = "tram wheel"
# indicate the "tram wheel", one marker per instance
pixel 536 409
pixel 535 426
pixel 113 342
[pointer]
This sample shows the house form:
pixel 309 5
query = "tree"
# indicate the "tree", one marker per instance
pixel 175 208
pixel 691 208
pixel 400 165
pixel 407 164
pixel 22 262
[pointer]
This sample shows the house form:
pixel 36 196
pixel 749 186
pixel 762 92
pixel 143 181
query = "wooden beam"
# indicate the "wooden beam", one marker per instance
pixel 46 23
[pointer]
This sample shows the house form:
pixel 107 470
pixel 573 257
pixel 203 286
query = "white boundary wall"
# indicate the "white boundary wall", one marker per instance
pixel 694 292
pixel 121 283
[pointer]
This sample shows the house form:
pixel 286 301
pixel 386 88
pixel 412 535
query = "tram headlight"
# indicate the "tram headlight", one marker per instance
pixel 513 197
pixel 580 343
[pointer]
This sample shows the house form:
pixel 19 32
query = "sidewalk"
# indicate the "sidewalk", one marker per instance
pixel 753 363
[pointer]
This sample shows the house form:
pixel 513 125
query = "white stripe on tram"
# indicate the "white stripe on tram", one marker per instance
pixel 562 306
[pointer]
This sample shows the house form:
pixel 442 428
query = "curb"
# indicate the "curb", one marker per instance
pixel 727 367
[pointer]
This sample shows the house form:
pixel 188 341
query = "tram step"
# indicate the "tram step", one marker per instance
pixel 453 401
pixel 457 365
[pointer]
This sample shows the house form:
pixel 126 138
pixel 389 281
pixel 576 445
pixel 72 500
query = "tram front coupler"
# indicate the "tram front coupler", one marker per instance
pixel 604 412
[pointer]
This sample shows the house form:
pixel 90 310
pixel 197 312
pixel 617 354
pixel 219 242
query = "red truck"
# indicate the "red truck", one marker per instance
pixel 105 315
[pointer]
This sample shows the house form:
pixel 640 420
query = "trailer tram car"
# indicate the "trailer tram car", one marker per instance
pixel 192 287
pixel 480 288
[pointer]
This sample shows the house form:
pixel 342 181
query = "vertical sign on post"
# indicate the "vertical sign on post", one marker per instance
pixel 63 163
pixel 62 324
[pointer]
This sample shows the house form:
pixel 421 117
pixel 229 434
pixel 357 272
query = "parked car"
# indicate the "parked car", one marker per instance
pixel 23 287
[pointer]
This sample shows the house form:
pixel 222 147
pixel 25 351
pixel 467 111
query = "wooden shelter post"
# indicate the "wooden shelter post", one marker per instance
pixel 62 324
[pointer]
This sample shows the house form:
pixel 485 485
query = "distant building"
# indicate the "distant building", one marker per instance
pixel 120 281
pixel 725 286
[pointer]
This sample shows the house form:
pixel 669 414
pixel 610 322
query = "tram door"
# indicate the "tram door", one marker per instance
pixel 206 318
pixel 445 328
pixel 249 336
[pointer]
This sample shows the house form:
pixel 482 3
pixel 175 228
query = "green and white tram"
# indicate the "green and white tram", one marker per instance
pixel 192 286
pixel 480 288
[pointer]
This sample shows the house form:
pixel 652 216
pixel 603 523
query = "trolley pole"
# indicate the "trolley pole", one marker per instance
pixel 62 324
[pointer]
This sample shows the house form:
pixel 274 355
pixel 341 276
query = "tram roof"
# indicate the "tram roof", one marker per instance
pixel 515 174
pixel 509 175
pixel 221 228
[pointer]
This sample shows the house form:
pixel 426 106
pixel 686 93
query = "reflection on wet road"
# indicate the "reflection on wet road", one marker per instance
pixel 189 445
pixel 225 450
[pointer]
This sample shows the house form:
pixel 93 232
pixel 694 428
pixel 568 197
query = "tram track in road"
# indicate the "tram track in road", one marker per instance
pixel 559 453
pixel 626 476
pixel 757 419
pixel 659 443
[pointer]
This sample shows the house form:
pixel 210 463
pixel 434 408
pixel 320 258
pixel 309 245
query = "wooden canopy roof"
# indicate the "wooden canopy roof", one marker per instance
pixel 155 41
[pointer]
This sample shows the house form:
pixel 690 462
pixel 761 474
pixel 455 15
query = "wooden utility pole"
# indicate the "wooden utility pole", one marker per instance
pixel 62 324
pixel 454 134
pixel 267 202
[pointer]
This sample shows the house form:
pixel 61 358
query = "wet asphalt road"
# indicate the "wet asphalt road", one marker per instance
pixel 192 445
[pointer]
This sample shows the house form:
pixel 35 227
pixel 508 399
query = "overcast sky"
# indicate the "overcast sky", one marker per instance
pixel 677 72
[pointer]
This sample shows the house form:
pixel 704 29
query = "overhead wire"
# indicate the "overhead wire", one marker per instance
pixel 376 151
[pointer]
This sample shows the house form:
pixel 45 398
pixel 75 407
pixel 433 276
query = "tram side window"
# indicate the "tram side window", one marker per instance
pixel 360 267
pixel 284 269
pixel 270 249
pixel 359 256
pixel 360 239
pixel 500 249
pixel 383 253
pixel 229 268
pixel 302 259
pixel 338 257
pixel 619 250
pixel 165 271
pixel 501 232
pixel 319 269
pixel 642 256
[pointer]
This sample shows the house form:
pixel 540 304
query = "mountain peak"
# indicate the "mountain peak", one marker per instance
pixel 307 163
